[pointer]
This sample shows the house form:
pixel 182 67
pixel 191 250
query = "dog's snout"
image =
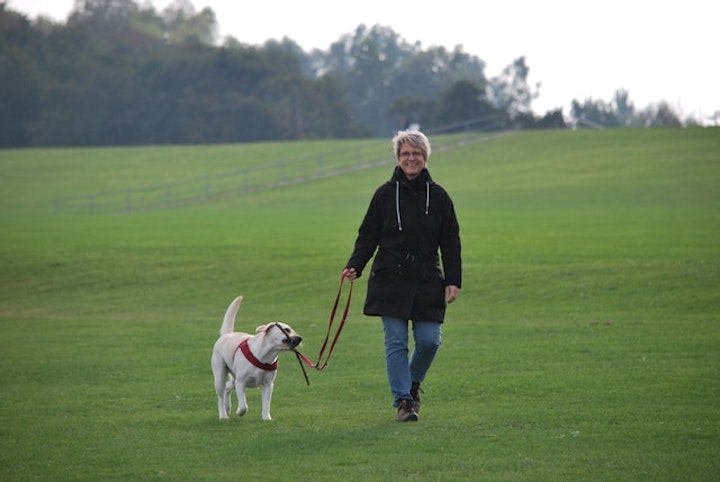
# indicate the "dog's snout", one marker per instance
pixel 295 340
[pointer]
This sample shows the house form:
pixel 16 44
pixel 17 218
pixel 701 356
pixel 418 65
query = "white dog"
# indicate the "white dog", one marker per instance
pixel 249 361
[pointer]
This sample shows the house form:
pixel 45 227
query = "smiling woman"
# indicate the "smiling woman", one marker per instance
pixel 410 219
pixel 412 150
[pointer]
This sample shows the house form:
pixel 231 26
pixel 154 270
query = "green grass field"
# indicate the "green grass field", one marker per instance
pixel 585 344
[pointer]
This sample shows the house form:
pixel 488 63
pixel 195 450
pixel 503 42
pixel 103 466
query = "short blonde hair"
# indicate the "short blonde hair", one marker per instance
pixel 414 138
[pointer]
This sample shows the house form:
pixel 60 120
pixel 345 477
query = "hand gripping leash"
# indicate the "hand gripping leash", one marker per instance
pixel 321 364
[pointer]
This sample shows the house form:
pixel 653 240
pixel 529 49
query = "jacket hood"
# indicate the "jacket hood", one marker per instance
pixel 422 181
pixel 417 183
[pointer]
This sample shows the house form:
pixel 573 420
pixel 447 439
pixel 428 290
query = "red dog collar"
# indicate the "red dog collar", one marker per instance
pixel 245 349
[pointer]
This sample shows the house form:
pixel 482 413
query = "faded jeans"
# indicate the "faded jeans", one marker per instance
pixel 401 371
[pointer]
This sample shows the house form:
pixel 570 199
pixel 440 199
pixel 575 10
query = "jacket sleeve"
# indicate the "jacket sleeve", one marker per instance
pixel 368 237
pixel 450 247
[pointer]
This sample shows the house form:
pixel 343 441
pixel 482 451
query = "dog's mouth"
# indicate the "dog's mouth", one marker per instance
pixel 293 341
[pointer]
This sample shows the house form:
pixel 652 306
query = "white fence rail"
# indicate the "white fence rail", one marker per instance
pixel 210 186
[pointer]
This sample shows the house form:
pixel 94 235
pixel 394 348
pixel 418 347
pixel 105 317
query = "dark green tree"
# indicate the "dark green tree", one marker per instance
pixel 378 67
pixel 658 115
pixel 20 78
pixel 510 92
pixel 183 24
pixel 593 113
pixel 463 101
pixel 624 108
pixel 118 72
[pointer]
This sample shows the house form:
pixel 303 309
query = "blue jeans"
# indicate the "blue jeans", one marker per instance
pixel 401 372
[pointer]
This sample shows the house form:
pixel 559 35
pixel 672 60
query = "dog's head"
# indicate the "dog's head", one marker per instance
pixel 282 335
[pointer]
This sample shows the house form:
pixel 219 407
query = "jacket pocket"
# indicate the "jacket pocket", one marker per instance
pixel 386 281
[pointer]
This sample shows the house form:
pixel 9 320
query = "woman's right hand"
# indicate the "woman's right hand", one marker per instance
pixel 349 273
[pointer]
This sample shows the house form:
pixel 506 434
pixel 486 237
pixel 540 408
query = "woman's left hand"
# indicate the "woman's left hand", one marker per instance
pixel 451 293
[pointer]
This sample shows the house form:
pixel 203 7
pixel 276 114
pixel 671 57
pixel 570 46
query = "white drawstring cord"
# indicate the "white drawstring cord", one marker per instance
pixel 397 204
pixel 427 197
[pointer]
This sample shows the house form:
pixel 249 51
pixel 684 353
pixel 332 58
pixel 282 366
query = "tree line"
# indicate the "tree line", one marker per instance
pixel 118 72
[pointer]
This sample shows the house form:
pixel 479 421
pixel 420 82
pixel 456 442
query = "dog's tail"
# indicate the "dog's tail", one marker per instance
pixel 228 325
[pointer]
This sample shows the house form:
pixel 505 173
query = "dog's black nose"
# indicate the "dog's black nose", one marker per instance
pixel 295 341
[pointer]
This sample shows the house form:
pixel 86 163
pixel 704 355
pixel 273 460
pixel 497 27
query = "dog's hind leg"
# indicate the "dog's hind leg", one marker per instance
pixel 220 373
pixel 228 394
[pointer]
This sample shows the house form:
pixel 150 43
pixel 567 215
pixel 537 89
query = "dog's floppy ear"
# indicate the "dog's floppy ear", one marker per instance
pixel 261 328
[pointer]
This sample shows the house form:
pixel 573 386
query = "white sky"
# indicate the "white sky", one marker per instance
pixel 661 50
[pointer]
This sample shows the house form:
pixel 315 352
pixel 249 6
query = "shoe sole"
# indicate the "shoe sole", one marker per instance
pixel 409 418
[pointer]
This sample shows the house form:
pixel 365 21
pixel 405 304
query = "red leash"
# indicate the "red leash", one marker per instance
pixel 320 364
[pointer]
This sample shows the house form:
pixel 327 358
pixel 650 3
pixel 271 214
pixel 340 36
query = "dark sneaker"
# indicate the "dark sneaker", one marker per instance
pixel 415 391
pixel 406 411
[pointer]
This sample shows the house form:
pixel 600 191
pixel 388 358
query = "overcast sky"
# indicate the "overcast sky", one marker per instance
pixel 661 50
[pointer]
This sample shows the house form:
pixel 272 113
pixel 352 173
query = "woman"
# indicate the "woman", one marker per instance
pixel 409 219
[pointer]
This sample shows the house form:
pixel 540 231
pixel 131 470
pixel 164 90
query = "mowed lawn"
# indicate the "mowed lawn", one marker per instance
pixel 585 344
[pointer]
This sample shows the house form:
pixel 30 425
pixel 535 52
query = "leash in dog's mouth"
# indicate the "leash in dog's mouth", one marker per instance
pixel 294 344
pixel 302 366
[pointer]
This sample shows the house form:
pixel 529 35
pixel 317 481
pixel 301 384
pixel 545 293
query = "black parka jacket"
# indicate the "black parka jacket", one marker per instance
pixel 408 221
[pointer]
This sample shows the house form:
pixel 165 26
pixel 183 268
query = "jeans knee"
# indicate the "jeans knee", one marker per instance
pixel 427 346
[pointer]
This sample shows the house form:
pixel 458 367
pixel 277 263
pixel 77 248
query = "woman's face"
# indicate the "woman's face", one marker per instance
pixel 411 160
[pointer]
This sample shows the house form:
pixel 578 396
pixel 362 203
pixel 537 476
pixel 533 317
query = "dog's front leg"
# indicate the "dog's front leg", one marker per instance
pixel 242 400
pixel 267 392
